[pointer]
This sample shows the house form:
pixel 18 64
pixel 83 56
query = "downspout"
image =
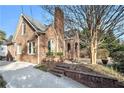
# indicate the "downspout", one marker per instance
pixel 38 50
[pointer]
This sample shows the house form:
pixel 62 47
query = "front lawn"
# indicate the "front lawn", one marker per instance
pixel 105 70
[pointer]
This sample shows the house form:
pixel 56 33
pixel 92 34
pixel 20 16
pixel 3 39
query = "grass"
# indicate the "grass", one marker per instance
pixel 42 67
pixel 2 82
pixel 94 69
pixel 106 71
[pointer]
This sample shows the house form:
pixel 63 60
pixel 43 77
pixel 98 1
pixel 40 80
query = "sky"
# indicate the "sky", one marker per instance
pixel 9 16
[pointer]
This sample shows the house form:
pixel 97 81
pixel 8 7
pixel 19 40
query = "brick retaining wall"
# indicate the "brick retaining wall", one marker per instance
pixel 93 81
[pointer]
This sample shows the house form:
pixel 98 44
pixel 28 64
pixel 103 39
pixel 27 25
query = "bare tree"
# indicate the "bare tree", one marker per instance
pixel 98 20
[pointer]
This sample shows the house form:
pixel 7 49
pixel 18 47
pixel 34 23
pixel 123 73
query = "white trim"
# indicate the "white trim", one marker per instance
pixel 28 48
pixel 32 51
pixel 19 49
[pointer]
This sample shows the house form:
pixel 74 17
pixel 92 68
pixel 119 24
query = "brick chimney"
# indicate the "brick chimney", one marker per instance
pixel 59 21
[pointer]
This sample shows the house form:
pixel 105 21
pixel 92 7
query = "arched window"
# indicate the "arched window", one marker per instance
pixel 69 47
pixel 51 46
pixel 76 44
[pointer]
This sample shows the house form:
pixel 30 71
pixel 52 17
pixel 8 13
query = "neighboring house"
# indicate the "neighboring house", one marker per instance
pixel 3 50
pixel 32 40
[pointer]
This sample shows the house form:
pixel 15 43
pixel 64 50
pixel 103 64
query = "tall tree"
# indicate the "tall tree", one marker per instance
pixel 97 19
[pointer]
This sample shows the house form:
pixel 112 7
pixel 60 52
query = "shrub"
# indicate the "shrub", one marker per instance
pixel 103 53
pixel 54 54
pixel 119 48
pixel 49 53
pixel 118 58
pixel 42 67
pixel 82 46
pixel 59 54
pixel 2 82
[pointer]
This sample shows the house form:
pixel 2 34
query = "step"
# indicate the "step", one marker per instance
pixel 62 65
pixel 57 71
pixel 60 68
pixel 56 74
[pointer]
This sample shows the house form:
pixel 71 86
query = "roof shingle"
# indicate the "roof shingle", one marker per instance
pixel 38 25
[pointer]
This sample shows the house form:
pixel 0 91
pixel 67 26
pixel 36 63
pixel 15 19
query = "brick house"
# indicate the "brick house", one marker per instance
pixel 32 39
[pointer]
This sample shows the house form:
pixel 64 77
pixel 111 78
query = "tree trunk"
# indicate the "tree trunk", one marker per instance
pixel 94 48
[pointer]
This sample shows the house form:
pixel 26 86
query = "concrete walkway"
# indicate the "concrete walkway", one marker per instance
pixel 23 75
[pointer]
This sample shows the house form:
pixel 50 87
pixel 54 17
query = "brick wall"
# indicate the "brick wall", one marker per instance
pixel 59 21
pixel 23 41
pixel 93 81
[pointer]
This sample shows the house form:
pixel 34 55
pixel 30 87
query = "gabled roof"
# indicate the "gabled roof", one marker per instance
pixel 42 28
pixel 35 23
pixel 8 41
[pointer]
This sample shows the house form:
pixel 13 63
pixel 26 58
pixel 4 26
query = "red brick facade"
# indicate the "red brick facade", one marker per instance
pixel 53 32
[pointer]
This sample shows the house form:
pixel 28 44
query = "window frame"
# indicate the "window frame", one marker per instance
pixel 19 49
pixel 31 48
pixel 51 45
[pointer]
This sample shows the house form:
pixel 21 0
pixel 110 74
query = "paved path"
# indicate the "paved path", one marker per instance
pixel 23 75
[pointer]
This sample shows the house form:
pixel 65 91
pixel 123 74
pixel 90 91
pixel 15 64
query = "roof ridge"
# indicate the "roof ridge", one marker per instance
pixel 27 16
pixel 36 23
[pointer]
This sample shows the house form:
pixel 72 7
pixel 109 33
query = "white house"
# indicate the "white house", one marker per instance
pixel 3 50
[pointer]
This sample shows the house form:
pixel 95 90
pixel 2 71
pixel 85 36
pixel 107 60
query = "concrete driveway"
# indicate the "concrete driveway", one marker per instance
pixel 23 75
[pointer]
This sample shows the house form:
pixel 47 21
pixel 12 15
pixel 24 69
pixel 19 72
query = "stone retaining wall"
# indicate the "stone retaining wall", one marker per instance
pixel 93 81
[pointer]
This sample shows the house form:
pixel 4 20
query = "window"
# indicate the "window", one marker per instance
pixel 68 47
pixel 76 45
pixel 19 50
pixel 23 28
pixel 2 49
pixel 31 48
pixel 51 46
